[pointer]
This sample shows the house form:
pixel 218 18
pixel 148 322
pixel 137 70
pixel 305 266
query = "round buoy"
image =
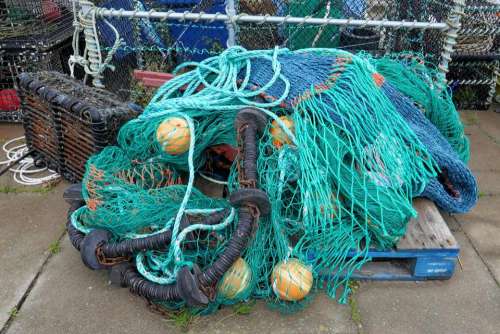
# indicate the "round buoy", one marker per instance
pixel 236 280
pixel 291 280
pixel 173 135
pixel 279 136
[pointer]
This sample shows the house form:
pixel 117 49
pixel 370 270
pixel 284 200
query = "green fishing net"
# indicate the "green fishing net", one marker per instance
pixel 417 79
pixel 337 186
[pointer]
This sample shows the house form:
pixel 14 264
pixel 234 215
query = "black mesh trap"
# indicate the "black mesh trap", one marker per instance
pixel 65 122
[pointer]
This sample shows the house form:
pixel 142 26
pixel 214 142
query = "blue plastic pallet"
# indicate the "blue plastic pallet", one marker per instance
pixel 428 251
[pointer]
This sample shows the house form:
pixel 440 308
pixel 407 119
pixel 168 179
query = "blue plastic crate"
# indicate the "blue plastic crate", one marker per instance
pixel 197 40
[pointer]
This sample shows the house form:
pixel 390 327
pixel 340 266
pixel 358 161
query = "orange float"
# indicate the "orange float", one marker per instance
pixel 291 280
pixel 280 138
pixel 173 135
pixel 236 280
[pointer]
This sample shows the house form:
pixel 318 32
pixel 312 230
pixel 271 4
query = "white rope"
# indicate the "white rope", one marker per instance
pixel 91 60
pixel 26 166
pixel 454 26
pixel 322 28
pixel 210 179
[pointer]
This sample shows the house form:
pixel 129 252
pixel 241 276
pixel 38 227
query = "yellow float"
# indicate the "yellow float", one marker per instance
pixel 236 280
pixel 291 280
pixel 173 135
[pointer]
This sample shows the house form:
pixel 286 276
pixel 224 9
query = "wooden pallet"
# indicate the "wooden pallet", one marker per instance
pixel 427 251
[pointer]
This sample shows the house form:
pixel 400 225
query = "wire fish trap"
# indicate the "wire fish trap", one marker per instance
pixel 14 62
pixel 66 122
pixel 473 83
pixel 39 24
pixel 479 31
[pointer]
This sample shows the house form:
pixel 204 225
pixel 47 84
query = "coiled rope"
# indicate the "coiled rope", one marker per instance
pixel 22 174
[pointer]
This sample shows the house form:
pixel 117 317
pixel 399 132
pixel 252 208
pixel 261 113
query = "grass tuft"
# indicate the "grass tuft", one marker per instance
pixel 55 247
pixel 244 308
pixel 8 190
pixel 182 319
pixel 13 313
pixel 45 189
pixel 354 308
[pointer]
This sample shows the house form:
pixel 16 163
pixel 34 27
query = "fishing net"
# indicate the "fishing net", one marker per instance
pixel 340 148
pixel 416 79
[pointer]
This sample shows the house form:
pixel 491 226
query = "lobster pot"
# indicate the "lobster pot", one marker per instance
pixel 38 24
pixel 474 69
pixel 13 62
pixel 65 121
pixel 479 34
pixel 473 83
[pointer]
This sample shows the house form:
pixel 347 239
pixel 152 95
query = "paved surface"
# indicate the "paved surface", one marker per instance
pixel 52 292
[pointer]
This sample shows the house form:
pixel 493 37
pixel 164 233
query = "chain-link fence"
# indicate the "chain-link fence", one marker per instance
pixel 14 62
pixel 475 67
pixel 160 44
pixel 377 40
pixel 33 37
pixel 37 24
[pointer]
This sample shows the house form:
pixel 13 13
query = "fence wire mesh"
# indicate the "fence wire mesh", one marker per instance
pixel 475 67
pixel 160 45
pixel 14 62
pixel 37 24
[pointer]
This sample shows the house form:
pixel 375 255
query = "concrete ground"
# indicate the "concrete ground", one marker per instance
pixel 47 289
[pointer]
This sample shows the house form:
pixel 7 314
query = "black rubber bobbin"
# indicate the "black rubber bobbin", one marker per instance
pixel 75 236
pixel 142 287
pixel 251 117
pixel 117 273
pixel 251 196
pixel 232 252
pixel 189 287
pixel 158 241
pixel 89 245
pixel 250 122
pixel 73 193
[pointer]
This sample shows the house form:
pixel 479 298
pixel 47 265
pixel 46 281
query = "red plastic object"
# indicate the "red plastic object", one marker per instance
pixel 9 101
pixel 152 79
pixel 50 10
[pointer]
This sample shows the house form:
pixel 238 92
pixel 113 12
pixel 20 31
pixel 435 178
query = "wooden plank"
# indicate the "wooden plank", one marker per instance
pixel 428 230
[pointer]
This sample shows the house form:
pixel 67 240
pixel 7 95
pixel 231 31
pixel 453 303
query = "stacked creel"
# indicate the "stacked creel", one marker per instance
pixel 475 66
pixel 34 36
pixel 65 122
